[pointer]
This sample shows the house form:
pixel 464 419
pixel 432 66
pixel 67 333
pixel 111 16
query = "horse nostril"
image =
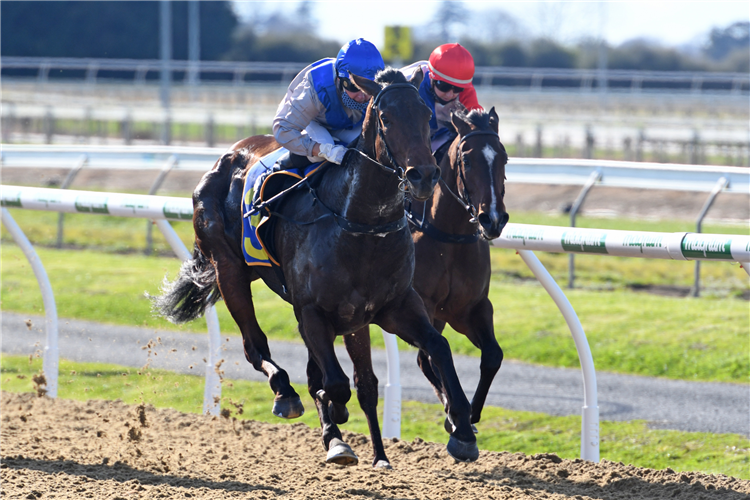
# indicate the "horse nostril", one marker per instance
pixel 493 226
pixel 485 220
pixel 413 176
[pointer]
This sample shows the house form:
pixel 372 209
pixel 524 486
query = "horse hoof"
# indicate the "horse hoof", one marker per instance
pixel 288 407
pixel 382 464
pixel 340 453
pixel 448 426
pixel 462 451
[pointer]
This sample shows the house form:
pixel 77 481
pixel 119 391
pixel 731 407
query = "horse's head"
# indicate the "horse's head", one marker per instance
pixel 396 129
pixel 478 161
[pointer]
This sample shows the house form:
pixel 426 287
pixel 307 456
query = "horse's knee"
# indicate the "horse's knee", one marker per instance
pixel 339 392
pixel 492 358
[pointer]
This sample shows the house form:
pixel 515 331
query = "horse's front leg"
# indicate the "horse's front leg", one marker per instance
pixel 358 346
pixel 478 327
pixel 234 280
pixel 327 383
pixel 409 321
pixel 424 363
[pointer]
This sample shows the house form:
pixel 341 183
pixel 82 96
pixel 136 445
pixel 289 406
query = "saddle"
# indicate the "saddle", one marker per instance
pixel 264 183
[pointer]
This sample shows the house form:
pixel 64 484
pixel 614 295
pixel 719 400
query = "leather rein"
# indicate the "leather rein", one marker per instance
pixel 462 197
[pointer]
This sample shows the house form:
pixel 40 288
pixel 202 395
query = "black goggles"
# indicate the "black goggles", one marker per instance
pixel 346 84
pixel 447 87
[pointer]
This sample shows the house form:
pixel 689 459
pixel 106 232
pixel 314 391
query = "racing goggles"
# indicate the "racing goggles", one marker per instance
pixel 347 85
pixel 447 87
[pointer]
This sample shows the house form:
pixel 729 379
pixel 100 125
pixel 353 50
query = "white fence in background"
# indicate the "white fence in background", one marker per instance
pixel 620 174
pixel 522 237
pixel 240 73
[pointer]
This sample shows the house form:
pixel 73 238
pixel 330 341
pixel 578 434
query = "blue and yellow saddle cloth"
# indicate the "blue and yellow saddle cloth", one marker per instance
pixel 257 181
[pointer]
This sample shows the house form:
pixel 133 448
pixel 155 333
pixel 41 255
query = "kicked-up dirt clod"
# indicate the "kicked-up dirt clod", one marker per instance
pixel 109 450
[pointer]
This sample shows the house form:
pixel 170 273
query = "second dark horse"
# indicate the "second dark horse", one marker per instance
pixel 351 268
pixel 451 234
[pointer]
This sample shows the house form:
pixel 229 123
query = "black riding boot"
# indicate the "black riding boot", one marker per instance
pixel 290 160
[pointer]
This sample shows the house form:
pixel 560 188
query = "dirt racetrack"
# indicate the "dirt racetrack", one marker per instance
pixel 109 450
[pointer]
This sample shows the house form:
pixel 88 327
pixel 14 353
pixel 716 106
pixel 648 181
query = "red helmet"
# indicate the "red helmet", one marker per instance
pixel 453 64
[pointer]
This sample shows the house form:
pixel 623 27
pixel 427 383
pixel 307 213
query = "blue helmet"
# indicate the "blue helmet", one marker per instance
pixel 360 58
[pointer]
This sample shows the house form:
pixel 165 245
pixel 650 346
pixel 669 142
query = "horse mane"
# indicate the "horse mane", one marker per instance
pixel 390 75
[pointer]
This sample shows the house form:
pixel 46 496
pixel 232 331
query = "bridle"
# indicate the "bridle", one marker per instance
pixel 395 169
pixel 463 196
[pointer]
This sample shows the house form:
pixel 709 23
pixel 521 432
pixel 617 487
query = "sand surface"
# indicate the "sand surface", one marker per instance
pixel 106 449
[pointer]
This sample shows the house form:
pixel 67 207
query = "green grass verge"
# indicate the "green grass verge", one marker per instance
pixel 680 338
pixel 500 430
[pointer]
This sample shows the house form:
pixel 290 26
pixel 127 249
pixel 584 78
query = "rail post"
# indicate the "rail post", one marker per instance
pixel 67 182
pixel 212 388
pixel 590 410
pixel 171 162
pixel 721 184
pixel 392 404
pixel 595 177
pixel 51 359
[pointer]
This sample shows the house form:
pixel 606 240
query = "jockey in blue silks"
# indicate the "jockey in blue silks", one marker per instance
pixel 322 108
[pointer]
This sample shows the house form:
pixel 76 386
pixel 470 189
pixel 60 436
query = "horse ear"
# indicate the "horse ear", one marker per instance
pixel 457 119
pixel 494 120
pixel 367 86
pixel 417 77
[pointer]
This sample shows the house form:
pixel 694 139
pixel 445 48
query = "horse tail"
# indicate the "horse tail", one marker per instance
pixel 187 297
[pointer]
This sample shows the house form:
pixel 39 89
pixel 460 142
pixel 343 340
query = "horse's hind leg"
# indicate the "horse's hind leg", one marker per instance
pixel 218 233
pixel 358 347
pixel 234 283
pixel 478 327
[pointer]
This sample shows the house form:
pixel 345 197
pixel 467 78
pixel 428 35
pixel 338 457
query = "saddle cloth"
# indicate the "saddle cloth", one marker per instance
pixel 262 182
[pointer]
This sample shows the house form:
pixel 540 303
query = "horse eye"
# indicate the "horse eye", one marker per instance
pixel 385 120
pixel 467 163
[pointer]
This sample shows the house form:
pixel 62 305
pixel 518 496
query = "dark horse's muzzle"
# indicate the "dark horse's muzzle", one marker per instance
pixel 492 224
pixel 422 180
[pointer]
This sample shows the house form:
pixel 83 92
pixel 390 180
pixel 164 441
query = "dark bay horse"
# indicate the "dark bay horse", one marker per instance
pixel 451 233
pixel 350 268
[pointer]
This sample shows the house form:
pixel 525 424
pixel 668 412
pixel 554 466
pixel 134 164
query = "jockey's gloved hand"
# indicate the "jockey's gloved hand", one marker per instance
pixel 332 152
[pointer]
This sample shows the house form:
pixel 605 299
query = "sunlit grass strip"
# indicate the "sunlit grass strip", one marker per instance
pixel 500 430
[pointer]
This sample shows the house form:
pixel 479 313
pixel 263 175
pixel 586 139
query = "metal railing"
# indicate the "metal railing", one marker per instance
pixel 241 73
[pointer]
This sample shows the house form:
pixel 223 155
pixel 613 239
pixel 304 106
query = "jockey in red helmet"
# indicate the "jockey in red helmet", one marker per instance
pixel 446 87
